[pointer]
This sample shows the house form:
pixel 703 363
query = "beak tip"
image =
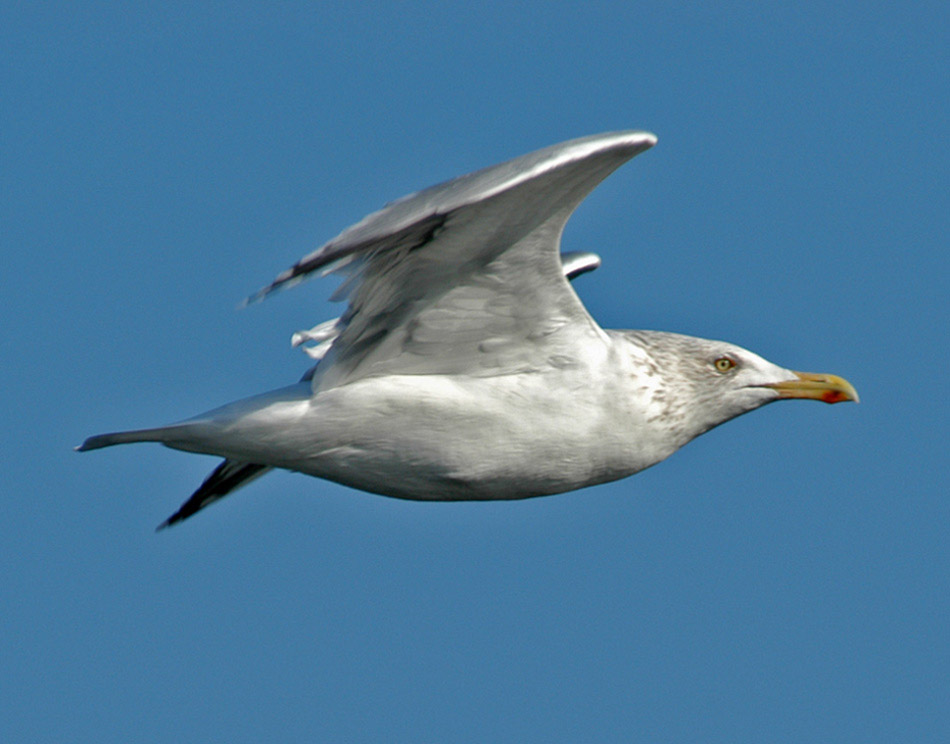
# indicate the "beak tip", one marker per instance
pixel 826 388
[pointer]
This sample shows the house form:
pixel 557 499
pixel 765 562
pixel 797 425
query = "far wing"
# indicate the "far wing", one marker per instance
pixel 229 476
pixel 573 264
pixel 465 277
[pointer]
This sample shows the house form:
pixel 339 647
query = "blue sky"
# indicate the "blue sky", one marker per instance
pixel 784 578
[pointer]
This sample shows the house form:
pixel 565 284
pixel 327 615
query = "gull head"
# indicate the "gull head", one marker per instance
pixel 689 385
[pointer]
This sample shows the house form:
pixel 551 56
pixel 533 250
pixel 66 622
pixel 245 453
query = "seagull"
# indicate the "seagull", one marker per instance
pixel 465 367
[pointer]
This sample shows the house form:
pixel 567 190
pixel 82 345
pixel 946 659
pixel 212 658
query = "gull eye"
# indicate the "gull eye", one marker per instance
pixel 724 364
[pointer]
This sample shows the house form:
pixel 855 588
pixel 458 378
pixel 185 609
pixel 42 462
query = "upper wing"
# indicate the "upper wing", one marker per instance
pixel 464 277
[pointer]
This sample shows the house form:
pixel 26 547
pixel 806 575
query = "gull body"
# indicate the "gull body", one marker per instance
pixel 465 367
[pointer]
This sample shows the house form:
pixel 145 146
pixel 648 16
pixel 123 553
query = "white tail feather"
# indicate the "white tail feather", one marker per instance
pixel 159 434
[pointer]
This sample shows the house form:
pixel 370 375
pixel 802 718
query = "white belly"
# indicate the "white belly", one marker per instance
pixel 445 438
pixel 431 437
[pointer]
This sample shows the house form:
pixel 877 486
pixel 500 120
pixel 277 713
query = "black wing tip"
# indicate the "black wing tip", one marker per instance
pixel 188 509
pixel 253 299
pixel 224 479
pixel 284 281
pixel 173 519
pixel 191 507
pixel 263 293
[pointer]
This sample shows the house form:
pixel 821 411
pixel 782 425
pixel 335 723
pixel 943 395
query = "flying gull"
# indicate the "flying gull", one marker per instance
pixel 466 368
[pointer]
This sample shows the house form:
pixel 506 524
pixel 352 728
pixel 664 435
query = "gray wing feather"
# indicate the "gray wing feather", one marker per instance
pixel 573 263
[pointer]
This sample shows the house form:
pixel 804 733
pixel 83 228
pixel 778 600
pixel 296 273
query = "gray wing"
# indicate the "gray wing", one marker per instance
pixel 322 335
pixel 464 277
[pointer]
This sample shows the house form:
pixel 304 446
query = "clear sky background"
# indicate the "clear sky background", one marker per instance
pixel 782 579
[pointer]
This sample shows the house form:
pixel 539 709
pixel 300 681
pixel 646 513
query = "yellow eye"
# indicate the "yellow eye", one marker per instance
pixel 724 364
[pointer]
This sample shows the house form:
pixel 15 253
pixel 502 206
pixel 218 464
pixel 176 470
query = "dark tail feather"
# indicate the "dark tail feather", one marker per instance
pixel 227 477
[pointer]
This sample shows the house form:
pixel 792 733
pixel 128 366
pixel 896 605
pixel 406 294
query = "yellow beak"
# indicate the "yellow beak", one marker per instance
pixel 808 386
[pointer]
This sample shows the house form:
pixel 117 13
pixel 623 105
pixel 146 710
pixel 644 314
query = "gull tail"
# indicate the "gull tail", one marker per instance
pixel 208 432
pixel 243 432
pixel 163 434
pixel 229 476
